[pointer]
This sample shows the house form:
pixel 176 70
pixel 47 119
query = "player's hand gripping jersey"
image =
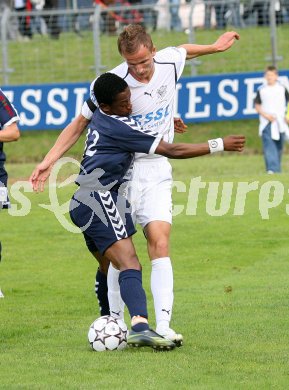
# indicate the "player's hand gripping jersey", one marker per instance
pixel 153 102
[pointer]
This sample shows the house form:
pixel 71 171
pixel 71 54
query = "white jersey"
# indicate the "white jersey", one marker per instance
pixel 153 102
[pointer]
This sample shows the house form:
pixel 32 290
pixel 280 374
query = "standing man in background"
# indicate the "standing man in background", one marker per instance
pixel 52 20
pixel 24 21
pixel 176 23
pixel 220 10
pixel 271 104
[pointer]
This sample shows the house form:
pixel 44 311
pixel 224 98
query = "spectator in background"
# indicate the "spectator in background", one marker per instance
pixel 12 28
pixel 38 21
pixel 130 15
pixel 52 20
pixel 271 104
pixel 24 21
pixel 176 24
pixel 233 13
pixel 150 15
pixel 220 8
pixel 285 5
pixel 278 12
pixel 262 10
pixel 108 18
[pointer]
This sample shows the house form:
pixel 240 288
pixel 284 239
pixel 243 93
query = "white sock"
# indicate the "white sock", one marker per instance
pixel 116 304
pixel 162 284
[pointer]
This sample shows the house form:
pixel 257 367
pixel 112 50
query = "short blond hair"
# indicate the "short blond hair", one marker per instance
pixel 132 37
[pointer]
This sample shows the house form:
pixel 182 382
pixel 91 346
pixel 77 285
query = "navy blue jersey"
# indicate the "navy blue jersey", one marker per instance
pixel 8 115
pixel 110 146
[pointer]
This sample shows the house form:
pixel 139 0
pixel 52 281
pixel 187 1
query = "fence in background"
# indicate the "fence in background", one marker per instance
pixel 72 45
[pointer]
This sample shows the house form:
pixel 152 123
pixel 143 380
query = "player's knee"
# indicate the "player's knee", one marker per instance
pixel 129 262
pixel 158 247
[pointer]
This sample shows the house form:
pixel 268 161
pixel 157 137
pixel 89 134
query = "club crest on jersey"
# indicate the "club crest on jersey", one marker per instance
pixel 161 92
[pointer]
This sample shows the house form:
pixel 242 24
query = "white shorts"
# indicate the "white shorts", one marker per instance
pixel 150 191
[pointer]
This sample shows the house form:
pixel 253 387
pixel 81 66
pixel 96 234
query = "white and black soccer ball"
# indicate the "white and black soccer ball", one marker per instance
pixel 107 334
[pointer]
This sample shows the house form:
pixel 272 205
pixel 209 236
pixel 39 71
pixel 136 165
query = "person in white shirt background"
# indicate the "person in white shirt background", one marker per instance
pixel 271 104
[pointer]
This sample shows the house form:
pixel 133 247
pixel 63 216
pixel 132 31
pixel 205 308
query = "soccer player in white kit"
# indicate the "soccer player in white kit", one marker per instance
pixel 152 78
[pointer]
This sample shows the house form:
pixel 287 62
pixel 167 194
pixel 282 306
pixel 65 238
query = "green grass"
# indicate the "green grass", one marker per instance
pixel 231 272
pixel 231 295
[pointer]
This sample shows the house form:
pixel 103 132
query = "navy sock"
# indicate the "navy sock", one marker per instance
pixel 101 292
pixel 133 295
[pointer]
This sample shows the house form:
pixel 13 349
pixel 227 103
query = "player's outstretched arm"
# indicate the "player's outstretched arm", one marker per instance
pixel 64 142
pixel 223 43
pixel 231 143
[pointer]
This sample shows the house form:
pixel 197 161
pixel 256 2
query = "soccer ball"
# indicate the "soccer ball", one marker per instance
pixel 107 334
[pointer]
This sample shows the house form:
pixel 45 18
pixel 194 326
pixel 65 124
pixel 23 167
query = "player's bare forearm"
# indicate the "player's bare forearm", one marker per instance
pixel 64 142
pixel 180 150
pixel 10 133
pixel 232 143
pixel 223 43
pixel 67 138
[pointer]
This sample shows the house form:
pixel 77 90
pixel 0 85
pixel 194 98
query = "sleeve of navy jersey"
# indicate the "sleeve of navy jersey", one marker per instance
pixel 131 137
pixel 7 111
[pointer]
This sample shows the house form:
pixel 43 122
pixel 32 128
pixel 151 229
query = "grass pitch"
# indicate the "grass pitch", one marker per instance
pixel 231 293
pixel 231 272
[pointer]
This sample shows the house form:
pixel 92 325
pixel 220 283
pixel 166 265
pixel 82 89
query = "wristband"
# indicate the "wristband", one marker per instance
pixel 216 145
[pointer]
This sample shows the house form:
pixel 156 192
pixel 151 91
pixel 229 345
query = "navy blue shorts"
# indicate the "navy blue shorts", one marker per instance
pixel 103 217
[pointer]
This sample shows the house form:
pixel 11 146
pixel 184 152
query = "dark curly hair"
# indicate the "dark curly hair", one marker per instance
pixel 107 87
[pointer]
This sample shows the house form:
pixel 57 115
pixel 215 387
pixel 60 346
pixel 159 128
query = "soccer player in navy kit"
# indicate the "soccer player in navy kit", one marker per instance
pixel 8 132
pixel 100 209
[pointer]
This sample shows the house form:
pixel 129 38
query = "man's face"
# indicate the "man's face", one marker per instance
pixel 121 105
pixel 271 77
pixel 141 63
